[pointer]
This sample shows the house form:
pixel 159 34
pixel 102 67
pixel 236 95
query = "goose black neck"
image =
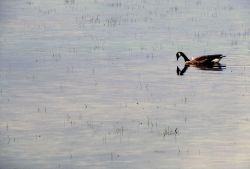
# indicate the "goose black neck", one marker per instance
pixel 185 57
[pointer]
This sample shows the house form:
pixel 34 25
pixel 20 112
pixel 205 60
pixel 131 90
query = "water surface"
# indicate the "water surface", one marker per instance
pixel 93 84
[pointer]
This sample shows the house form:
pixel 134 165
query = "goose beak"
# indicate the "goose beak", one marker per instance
pixel 177 56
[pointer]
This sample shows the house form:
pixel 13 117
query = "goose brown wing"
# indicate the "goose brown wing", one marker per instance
pixel 208 57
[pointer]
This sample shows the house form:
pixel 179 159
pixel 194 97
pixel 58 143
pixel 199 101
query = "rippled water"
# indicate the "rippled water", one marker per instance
pixel 93 84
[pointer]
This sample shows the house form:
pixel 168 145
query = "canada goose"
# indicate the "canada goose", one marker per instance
pixel 201 60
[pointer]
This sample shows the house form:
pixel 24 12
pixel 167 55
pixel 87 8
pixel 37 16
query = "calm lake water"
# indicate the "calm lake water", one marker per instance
pixel 93 84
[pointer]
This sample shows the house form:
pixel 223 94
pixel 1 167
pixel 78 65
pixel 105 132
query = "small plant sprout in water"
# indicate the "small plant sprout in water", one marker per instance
pixel 170 132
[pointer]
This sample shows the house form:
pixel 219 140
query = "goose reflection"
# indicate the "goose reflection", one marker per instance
pixel 209 67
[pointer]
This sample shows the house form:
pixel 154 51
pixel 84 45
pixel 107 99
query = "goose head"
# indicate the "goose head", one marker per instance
pixel 178 54
pixel 181 54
